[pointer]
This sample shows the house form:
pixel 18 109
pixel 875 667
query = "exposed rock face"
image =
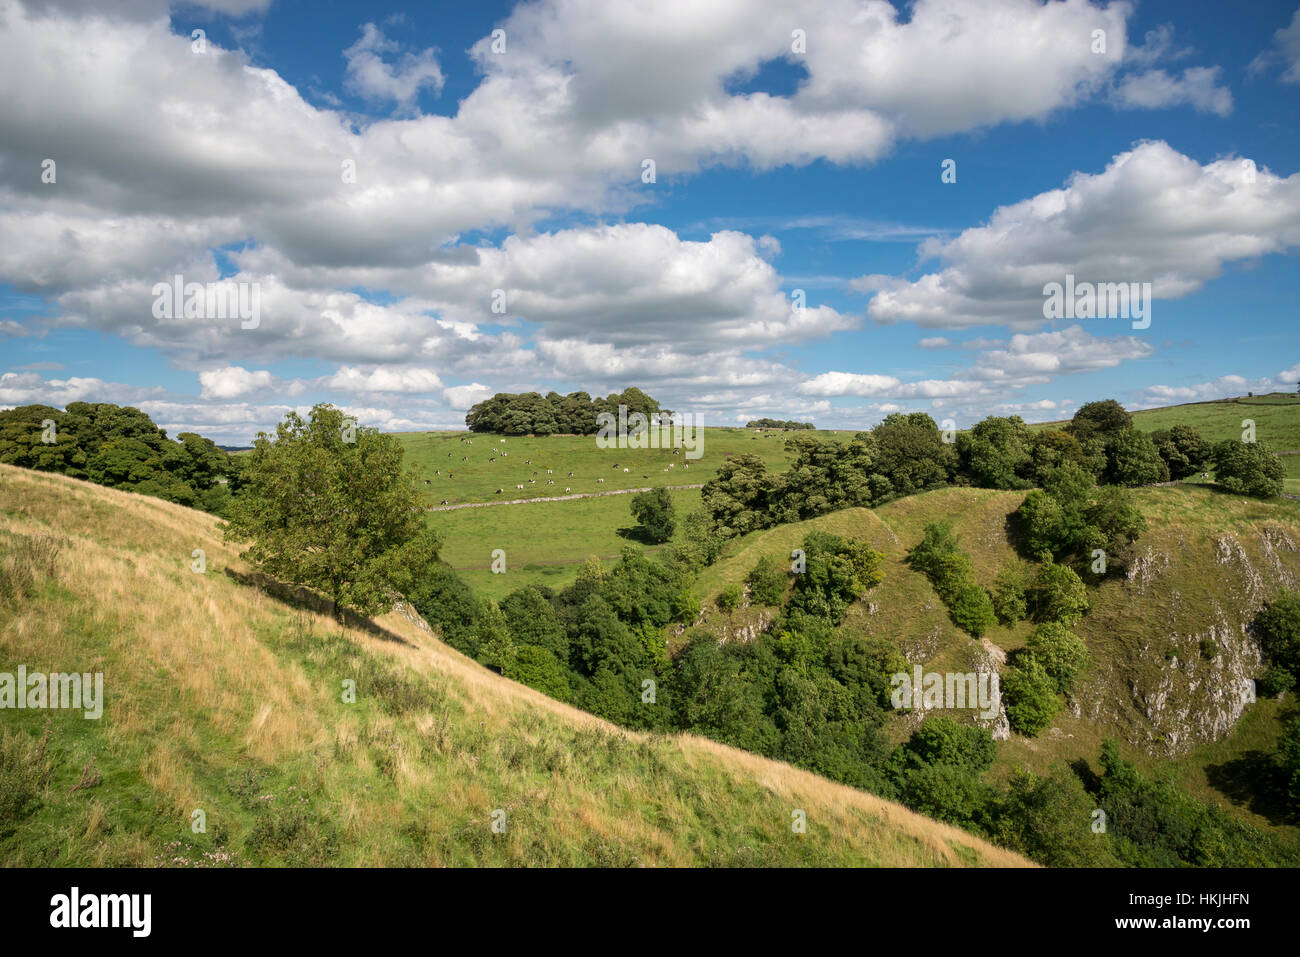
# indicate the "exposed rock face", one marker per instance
pixel 1177 656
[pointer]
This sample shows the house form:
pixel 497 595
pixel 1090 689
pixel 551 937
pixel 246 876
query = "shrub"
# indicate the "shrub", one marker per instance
pixel 971 609
pixel 1057 594
pixel 1030 696
pixel 1248 468
pixel 1061 653
pixel 729 598
pixel 1278 628
pixel 767 581
pixel 1009 594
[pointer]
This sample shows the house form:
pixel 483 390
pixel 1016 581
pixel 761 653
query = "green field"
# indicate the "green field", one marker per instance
pixel 470 475
pixel 545 542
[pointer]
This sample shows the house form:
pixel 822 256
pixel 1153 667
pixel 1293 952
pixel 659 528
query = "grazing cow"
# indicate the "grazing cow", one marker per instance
pixel 444 501
pixel 568 490
pixel 528 461
pixel 600 481
pixel 548 471
pixel 492 459
pixel 645 476
pixel 451 475
pixel 500 490
pixel 1205 475
pixel 448 455
pixel 675 451
pixel 532 481
pixel 437 471
pixel 520 487
pixel 464 458
pixel 550 481
pixel 570 475
pixel 427 482
pixel 625 470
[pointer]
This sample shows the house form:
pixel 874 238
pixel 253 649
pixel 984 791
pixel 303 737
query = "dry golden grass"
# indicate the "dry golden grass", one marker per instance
pixel 206 676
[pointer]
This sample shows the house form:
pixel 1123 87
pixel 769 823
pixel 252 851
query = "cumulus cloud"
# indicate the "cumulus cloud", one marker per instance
pixel 1198 87
pixel 1153 215
pixel 233 381
pixel 400 82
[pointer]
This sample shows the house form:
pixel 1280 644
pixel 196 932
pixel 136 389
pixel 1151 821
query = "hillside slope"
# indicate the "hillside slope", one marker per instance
pixel 1169 640
pixel 223 698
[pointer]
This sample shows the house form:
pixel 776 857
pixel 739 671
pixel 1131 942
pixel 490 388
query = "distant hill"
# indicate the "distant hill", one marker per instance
pixel 224 699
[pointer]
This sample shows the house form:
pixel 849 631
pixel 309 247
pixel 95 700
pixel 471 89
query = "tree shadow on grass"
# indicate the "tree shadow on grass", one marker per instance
pixel 637 534
pixel 1255 781
pixel 299 597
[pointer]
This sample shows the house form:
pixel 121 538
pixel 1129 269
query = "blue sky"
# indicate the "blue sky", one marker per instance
pixel 1167 157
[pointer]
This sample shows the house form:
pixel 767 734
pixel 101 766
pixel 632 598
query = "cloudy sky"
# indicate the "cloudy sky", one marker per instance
pixel 739 206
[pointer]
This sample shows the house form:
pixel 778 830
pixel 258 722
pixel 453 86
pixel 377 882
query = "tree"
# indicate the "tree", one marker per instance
pixel 1183 450
pixel 532 621
pixel 911 454
pixel 1057 594
pixel 539 668
pixel 1277 626
pixel 737 496
pixel 653 512
pixel 1008 593
pixel 996 453
pixel 1132 459
pixel 339 516
pixel 767 581
pixel 1248 468
pixel 1030 695
pixel 1061 653
pixel 1100 419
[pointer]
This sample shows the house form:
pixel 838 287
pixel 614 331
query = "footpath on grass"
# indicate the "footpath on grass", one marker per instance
pixel 555 498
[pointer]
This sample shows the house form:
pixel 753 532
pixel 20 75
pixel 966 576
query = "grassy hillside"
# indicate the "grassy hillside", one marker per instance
pixel 1276 417
pixel 469 475
pixel 1206 563
pixel 224 696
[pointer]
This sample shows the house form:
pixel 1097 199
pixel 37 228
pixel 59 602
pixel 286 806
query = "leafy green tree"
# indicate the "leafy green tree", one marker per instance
pixel 729 598
pixel 653 512
pixel 737 497
pixel 767 581
pixel 1099 419
pixel 839 571
pixel 1008 593
pixel 1030 696
pixel 1248 468
pixel 1132 459
pixel 911 454
pixel 1054 447
pixel 532 620
pixel 971 609
pixel 1049 819
pixel 995 453
pixel 1184 451
pixel 538 668
pixel 1057 594
pixel 338 516
pixel 1288 754
pixel 1277 626
pixel 1061 653
pixel 22 440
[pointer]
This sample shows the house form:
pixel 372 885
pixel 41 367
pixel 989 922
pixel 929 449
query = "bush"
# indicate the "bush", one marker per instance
pixel 1133 459
pixel 729 598
pixel 971 609
pixel 1248 468
pixel 1057 594
pixel 1009 594
pixel 1030 695
pixel 767 581
pixel 539 668
pixel 1061 653
pixel 1277 626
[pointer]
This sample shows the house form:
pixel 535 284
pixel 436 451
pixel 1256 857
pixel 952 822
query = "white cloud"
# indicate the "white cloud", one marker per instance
pixel 1153 215
pixel 233 381
pixel 400 82
pixel 1155 89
